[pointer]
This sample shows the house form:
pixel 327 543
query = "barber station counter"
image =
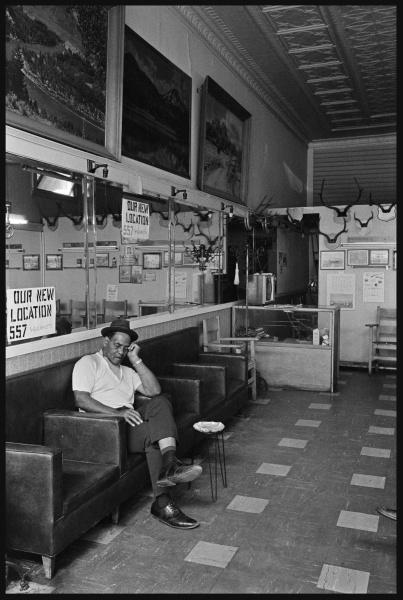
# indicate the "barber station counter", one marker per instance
pixel 298 346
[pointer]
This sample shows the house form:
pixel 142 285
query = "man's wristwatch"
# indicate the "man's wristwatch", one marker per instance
pixel 138 361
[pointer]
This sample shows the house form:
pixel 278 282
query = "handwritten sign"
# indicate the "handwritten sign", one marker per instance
pixel 135 221
pixel 31 312
pixel 112 291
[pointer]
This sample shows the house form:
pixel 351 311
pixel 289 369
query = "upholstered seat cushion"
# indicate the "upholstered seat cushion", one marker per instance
pixel 84 481
pixel 234 385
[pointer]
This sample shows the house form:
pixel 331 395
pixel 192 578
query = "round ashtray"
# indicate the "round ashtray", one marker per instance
pixel 209 426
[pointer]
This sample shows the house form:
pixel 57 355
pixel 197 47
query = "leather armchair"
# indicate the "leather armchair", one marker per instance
pixel 57 491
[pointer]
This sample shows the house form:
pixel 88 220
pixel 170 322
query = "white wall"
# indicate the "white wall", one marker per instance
pixel 378 234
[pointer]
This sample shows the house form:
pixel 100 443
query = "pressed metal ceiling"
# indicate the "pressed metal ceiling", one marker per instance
pixel 326 71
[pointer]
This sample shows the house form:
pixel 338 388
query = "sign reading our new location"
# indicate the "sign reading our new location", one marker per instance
pixel 135 221
pixel 31 312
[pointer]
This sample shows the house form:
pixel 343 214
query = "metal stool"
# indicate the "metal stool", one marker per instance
pixel 216 453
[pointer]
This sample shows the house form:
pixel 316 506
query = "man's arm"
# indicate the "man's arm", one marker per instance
pixel 150 385
pixel 86 402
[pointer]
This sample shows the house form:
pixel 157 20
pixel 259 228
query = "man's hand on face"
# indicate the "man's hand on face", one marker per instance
pixel 133 352
pixel 131 416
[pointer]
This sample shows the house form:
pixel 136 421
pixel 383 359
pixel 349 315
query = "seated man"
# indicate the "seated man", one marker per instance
pixel 102 384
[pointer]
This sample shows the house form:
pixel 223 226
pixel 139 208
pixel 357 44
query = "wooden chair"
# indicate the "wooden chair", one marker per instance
pixel 78 312
pixel 213 341
pixel 112 309
pixel 382 344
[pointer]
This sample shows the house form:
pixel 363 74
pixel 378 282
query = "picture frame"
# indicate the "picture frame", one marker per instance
pixel 188 260
pixel 31 262
pixel 149 276
pixel 332 259
pixel 379 257
pixel 357 257
pixel 102 259
pixel 83 111
pixel 152 260
pixel 178 258
pixel 136 274
pixel 124 273
pixel 54 262
pixel 155 129
pixel 223 144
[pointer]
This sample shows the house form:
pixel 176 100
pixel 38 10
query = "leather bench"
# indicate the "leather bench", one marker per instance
pixel 65 470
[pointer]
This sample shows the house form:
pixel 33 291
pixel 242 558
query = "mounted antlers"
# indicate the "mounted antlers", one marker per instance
pixel 366 223
pixel 204 216
pixel 332 240
pixel 387 210
pixel 340 212
pixel 263 204
pixel 211 242
pixel 164 216
pixel 77 221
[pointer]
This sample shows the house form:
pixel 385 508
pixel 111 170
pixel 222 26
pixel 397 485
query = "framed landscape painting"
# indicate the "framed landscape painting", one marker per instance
pixel 332 259
pixel 63 64
pixel 223 145
pixel 156 108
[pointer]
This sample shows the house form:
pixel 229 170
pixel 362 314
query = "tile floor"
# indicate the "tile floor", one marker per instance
pixel 298 515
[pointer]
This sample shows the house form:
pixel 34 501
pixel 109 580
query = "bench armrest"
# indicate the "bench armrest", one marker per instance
pixel 235 363
pixel 185 393
pixel 87 437
pixel 33 491
pixel 212 377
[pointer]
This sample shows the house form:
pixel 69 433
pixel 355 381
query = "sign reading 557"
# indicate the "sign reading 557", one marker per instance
pixel 31 312
pixel 135 220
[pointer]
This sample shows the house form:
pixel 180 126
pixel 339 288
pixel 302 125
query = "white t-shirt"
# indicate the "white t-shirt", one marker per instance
pixel 93 374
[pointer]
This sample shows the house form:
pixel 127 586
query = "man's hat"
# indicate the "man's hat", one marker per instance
pixel 122 326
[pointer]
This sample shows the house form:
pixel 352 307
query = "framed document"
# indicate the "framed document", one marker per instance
pixel 54 262
pixel 30 262
pixel 152 260
pixel 357 258
pixel 379 257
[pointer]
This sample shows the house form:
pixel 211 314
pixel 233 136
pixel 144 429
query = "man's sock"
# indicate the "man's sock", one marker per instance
pixel 168 455
pixel 162 500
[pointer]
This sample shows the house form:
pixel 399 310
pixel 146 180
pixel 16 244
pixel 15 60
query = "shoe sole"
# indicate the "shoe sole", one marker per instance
pixel 175 526
pixel 191 475
pixel 386 515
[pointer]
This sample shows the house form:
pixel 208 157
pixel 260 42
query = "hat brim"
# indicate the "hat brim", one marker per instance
pixel 108 331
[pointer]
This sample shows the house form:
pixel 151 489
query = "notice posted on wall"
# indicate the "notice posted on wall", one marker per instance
pixel 112 292
pixel 135 221
pixel 373 287
pixel 340 291
pixel 31 312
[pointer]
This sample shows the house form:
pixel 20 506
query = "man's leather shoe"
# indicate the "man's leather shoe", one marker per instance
pixel 390 513
pixel 176 472
pixel 171 515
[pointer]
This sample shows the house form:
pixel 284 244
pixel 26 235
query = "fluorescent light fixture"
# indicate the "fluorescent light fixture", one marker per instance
pixel 56 185
pixel 17 219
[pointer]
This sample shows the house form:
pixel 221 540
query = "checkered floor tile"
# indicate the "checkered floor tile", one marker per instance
pixel 343 580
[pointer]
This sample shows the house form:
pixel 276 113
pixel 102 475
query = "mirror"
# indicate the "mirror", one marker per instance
pixel 65 232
